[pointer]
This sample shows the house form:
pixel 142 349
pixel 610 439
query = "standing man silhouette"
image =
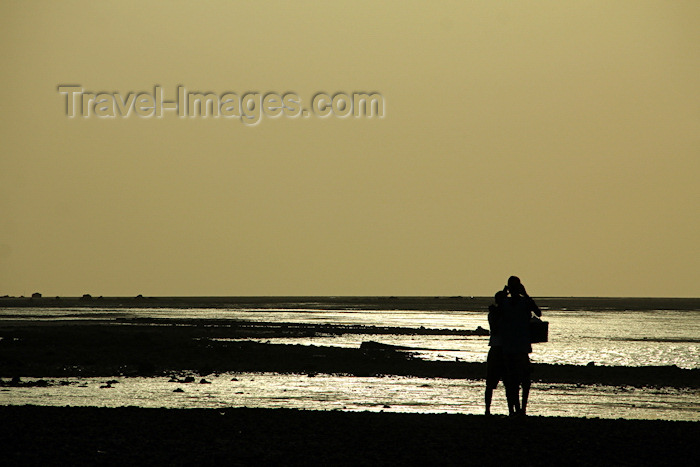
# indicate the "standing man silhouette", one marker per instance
pixel 515 335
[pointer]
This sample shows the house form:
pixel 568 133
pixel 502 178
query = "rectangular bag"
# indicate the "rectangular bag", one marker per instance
pixel 539 330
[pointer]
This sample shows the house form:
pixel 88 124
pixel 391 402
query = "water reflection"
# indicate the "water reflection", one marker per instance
pixel 631 338
pixel 326 392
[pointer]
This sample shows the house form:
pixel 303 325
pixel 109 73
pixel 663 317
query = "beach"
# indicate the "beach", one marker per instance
pixel 85 348
pixel 81 346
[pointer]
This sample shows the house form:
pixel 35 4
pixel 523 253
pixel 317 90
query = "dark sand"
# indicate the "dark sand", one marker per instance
pixel 132 436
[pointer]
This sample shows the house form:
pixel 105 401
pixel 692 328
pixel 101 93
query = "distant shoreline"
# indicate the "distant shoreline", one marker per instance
pixel 452 303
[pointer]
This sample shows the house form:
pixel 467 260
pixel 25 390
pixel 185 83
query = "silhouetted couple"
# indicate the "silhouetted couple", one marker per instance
pixel 508 359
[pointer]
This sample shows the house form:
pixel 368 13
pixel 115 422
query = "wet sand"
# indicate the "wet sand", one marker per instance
pixel 131 436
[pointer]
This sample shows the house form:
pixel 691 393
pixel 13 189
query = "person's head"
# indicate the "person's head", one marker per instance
pixel 500 296
pixel 514 286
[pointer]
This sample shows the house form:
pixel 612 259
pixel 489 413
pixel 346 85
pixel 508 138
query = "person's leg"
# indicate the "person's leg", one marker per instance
pixel 526 394
pixel 494 374
pixel 487 399
pixel 526 382
pixel 512 383
pixel 512 394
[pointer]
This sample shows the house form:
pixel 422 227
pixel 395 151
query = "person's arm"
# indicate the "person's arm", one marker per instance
pixel 533 306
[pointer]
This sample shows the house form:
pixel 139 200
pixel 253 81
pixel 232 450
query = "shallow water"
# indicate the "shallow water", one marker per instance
pixel 613 337
pixel 390 394
pixel 606 337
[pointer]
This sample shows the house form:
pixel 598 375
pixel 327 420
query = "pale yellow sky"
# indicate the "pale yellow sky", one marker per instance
pixel 558 141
